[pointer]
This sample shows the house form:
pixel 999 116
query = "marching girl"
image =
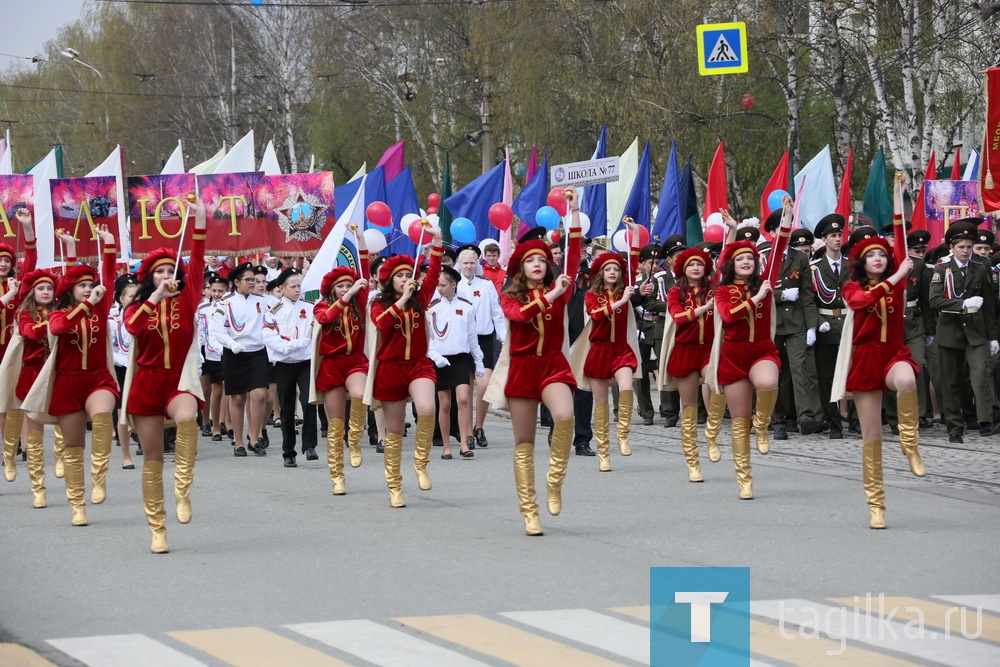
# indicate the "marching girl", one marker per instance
pixel 121 343
pixel 164 382
pixel 613 344
pixel 342 368
pixel 879 359
pixel 535 306
pixel 401 366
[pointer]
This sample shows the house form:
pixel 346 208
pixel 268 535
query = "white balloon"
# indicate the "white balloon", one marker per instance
pixel 375 240
pixel 584 222
pixel 423 213
pixel 620 241
pixel 714 219
pixel 407 220
pixel 434 220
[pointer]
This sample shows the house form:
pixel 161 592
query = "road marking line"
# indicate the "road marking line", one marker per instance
pixel 255 647
pixel 589 627
pixel 935 615
pixel 766 640
pixel 987 602
pixel 503 641
pixel 123 651
pixel 22 656
pixel 837 622
pixel 380 645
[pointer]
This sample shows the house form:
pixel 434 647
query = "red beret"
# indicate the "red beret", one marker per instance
pixel 156 259
pixel 335 276
pixel 692 255
pixel 861 248
pixel 604 260
pixel 32 278
pixel 72 276
pixel 524 250
pixel 731 250
pixel 7 251
pixel 394 265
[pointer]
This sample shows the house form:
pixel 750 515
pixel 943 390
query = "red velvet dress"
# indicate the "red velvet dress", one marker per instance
pixel 342 340
pixel 878 333
pixel 693 336
pixel 609 348
pixel 402 355
pixel 161 336
pixel 8 313
pixel 536 334
pixel 746 332
pixel 82 354
pixel 35 332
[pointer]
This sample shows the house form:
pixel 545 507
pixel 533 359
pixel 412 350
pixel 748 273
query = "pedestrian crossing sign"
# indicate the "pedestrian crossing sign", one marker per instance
pixel 722 48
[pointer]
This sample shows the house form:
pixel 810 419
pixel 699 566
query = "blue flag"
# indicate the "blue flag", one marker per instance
pixel 532 197
pixel 595 198
pixel 637 206
pixel 668 214
pixel 474 201
pixel 401 196
pixel 689 208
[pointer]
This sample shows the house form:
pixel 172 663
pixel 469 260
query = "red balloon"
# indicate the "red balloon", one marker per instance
pixel 715 233
pixel 747 101
pixel 379 214
pixel 554 236
pixel 432 210
pixel 417 232
pixel 501 216
pixel 434 199
pixel 556 200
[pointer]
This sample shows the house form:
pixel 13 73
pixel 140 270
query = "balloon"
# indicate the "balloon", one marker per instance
pixel 714 219
pixel 434 219
pixel 432 210
pixel 715 233
pixel 554 236
pixel 556 200
pixel 501 216
pixel 619 241
pixel 547 217
pixel 375 240
pixel 434 199
pixel 774 199
pixel 463 231
pixel 417 232
pixel 584 223
pixel 406 221
pixel 379 215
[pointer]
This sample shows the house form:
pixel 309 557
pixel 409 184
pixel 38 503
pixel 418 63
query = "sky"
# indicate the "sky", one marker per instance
pixel 30 23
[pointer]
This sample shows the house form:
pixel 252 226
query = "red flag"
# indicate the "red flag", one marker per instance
pixel 532 164
pixel 988 189
pixel 716 188
pixel 919 217
pixel 844 201
pixel 778 181
pixel 956 166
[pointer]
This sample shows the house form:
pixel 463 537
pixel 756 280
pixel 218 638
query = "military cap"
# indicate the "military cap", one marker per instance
pixel 469 246
pixel 985 236
pixel 285 275
pixel 649 251
pixel 747 233
pixel 918 239
pixel 674 243
pixel 962 230
pixel 535 233
pixel 830 224
pixel 773 221
pixel 801 237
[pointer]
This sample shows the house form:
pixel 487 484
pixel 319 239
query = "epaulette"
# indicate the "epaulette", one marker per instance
pixel 219 311
pixel 434 302
pixel 816 261
pixel 460 298
pixel 276 307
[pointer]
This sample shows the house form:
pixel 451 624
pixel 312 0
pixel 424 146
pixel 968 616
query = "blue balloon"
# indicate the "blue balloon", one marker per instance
pixel 547 217
pixel 463 231
pixel 775 198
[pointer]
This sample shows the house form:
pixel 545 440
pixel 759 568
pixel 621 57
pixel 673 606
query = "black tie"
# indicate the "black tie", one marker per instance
pixel 963 270
pixel 836 269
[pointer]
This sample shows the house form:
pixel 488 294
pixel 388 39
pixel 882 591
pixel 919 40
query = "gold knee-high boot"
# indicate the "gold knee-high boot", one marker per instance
pixel 393 453
pixel 689 442
pixel 601 418
pixel 626 400
pixel 562 442
pixel 335 455
pixel 872 477
pixel 356 427
pixel 58 450
pixel 524 480
pixel 422 450
pixel 152 499
pixel 907 409
pixel 762 418
pixel 713 425
pixel 75 491
pixel 11 436
pixel 186 449
pixel 100 454
pixel 741 456
pixel 36 468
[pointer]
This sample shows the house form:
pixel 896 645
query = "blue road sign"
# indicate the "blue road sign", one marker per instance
pixel 722 48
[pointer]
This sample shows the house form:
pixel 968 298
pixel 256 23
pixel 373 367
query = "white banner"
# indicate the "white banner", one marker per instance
pixel 589 172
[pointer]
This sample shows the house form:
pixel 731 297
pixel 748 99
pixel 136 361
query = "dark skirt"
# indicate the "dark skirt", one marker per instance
pixel 458 373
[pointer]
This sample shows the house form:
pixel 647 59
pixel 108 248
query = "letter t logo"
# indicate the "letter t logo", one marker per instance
pixel 701 612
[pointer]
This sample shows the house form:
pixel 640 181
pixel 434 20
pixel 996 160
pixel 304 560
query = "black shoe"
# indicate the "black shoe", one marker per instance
pixel 808 426
pixel 311 454
pixel 470 442
pixel 836 433
pixel 971 424
pixel 380 447
pixel 169 447
pixel 230 435
pixel 820 427
pixel 322 434
pixel 585 450
pixel 480 436
pixel 647 421
pixel 138 451
pixel 780 433
pixel 545 423
pixel 925 423
pixel 854 426
pixel 206 430
pixel 258 449
pixel 670 423
pixel 792 428
pixel 290 462
pixel 217 438
pixel 270 420
pixel 955 439
pixel 437 442
pixel 702 418
pixel 446 457
pixel 264 440
pixel 988 428
pixel 240 451
pixel 894 430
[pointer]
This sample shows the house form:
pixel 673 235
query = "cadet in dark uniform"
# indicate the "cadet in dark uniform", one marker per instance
pixel 795 335
pixel 982 248
pixel 829 273
pixel 966 335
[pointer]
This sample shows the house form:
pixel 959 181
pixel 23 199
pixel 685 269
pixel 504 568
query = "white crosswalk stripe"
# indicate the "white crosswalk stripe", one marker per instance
pixel 972 602
pixel 591 628
pixel 123 651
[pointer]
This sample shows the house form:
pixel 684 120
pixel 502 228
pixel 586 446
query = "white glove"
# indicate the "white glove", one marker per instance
pixel 823 328
pixel 302 343
pixel 790 294
pixel 929 341
pixel 810 336
pixel 236 348
pixel 442 362
pixel 480 370
pixel 994 348
pixel 973 304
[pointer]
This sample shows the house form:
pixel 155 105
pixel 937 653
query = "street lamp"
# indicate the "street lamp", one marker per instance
pixel 74 55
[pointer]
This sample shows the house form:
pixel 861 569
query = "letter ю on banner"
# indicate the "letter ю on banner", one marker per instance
pixel 157 207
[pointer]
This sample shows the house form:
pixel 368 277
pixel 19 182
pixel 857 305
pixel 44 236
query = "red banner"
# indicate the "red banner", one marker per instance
pixel 157 208
pixel 300 210
pixel 82 205
pixel 989 171
pixel 17 191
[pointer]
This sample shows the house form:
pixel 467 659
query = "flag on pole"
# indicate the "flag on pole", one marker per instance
pixel 594 200
pixel 690 217
pixel 175 163
pixel 269 163
pixel 619 191
pixel 877 207
pixel 532 164
pixel 114 165
pixel 474 201
pixel 716 187
pixel 209 165
pixel 989 191
pixel 444 213
pixel 956 165
pixel 971 172
pixel 6 156
pixel 359 173
pixel 240 158
pixel 778 181
pixel 393 160
pixel 327 257
pixel 508 198
pixel 532 197
pixel 845 198
pixel 637 206
pixel 919 216
pixel 44 170
pixel 816 190
pixel 401 196
pixel 668 210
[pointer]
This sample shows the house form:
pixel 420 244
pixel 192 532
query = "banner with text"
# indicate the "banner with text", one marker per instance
pixel 80 206
pixel 17 191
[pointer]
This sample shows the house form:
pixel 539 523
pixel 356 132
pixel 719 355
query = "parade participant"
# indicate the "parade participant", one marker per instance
pixel 829 274
pixel 288 337
pixel 401 368
pixel 583 400
pixel 211 367
pixel 650 301
pixel 163 380
pixel 878 359
pixel 613 345
pixel 748 361
pixel 538 370
pixel 492 270
pixel 121 343
pixel 490 325
pixel 687 350
pixel 273 265
pixel 966 334
pixel 454 349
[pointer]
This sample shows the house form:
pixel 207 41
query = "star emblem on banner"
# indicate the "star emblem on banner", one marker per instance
pixel 302 217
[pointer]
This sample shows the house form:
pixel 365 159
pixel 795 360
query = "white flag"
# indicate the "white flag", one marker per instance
pixel 326 258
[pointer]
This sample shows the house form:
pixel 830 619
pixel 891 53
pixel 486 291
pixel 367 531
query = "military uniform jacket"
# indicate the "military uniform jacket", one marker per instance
pixel 651 311
pixel 829 298
pixel 795 317
pixel 919 318
pixel 956 327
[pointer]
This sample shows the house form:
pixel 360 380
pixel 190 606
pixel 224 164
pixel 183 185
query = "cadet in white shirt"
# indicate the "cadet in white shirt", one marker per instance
pixel 454 349
pixel 490 325
pixel 211 349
